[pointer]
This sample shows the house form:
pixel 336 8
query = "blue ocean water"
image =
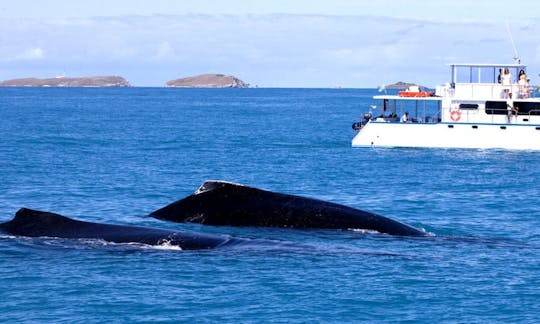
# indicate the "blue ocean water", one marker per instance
pixel 114 155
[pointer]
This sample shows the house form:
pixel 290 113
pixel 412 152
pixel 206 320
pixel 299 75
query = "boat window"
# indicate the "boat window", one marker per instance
pixel 525 108
pixel 496 107
pixel 528 108
pixel 421 111
pixel 463 74
pixel 475 74
pixel 468 106
pixel 482 73
pixel 488 74
pixel 514 72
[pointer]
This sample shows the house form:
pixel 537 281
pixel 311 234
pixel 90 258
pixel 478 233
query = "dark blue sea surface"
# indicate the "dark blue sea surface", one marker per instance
pixel 115 155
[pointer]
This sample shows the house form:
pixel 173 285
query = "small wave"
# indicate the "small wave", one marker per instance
pixel 162 245
pixel 492 242
pixel 363 231
pixel 7 236
pixel 366 231
pixel 86 243
pixel 428 234
pixel 166 245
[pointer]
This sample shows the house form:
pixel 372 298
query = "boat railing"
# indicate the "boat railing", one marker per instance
pixel 418 120
pixel 533 112
pixel 495 114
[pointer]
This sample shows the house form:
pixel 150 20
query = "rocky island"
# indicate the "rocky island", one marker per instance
pixel 208 81
pixel 400 85
pixel 96 81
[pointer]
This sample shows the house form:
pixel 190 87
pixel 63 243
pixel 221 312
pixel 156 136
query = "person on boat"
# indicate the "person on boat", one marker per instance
pixel 405 118
pixel 523 84
pixel 510 107
pixel 506 81
pixel 383 114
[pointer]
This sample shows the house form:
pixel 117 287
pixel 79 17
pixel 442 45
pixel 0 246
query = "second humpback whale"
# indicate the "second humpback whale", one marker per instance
pixel 33 223
pixel 232 204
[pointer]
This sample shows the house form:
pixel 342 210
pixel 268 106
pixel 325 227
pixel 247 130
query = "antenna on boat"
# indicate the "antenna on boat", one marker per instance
pixel 516 55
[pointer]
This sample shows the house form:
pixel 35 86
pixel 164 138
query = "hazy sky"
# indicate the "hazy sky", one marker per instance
pixel 293 43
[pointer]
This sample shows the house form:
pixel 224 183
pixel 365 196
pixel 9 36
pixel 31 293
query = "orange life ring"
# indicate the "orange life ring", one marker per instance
pixel 455 115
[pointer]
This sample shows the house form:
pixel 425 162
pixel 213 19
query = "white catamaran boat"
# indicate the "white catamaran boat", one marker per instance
pixel 482 108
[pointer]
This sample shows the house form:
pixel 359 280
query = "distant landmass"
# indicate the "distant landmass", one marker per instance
pixel 208 81
pixel 400 85
pixel 95 81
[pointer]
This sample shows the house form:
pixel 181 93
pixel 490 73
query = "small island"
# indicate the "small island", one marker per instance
pixel 95 81
pixel 400 85
pixel 208 81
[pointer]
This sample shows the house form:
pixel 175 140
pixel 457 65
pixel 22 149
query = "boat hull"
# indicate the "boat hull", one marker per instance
pixel 449 135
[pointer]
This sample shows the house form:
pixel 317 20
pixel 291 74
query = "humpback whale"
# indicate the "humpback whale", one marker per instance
pixel 33 223
pixel 232 204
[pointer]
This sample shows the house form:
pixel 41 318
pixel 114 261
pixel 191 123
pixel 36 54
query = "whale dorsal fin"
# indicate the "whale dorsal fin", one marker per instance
pixel 210 185
pixel 37 216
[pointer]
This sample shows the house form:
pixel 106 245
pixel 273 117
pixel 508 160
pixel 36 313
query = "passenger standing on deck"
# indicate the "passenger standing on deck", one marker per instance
pixel 521 72
pixel 506 81
pixel 523 84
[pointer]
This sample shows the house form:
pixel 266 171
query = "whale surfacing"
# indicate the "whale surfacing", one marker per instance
pixel 33 223
pixel 232 204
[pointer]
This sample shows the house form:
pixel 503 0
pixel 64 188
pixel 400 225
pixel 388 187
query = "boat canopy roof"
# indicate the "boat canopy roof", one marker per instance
pixel 483 73
pixel 489 65
pixel 396 97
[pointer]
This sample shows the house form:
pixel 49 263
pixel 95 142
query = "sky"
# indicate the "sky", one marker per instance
pixel 268 43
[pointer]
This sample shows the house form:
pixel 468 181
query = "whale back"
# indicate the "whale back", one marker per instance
pixel 33 223
pixel 232 204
